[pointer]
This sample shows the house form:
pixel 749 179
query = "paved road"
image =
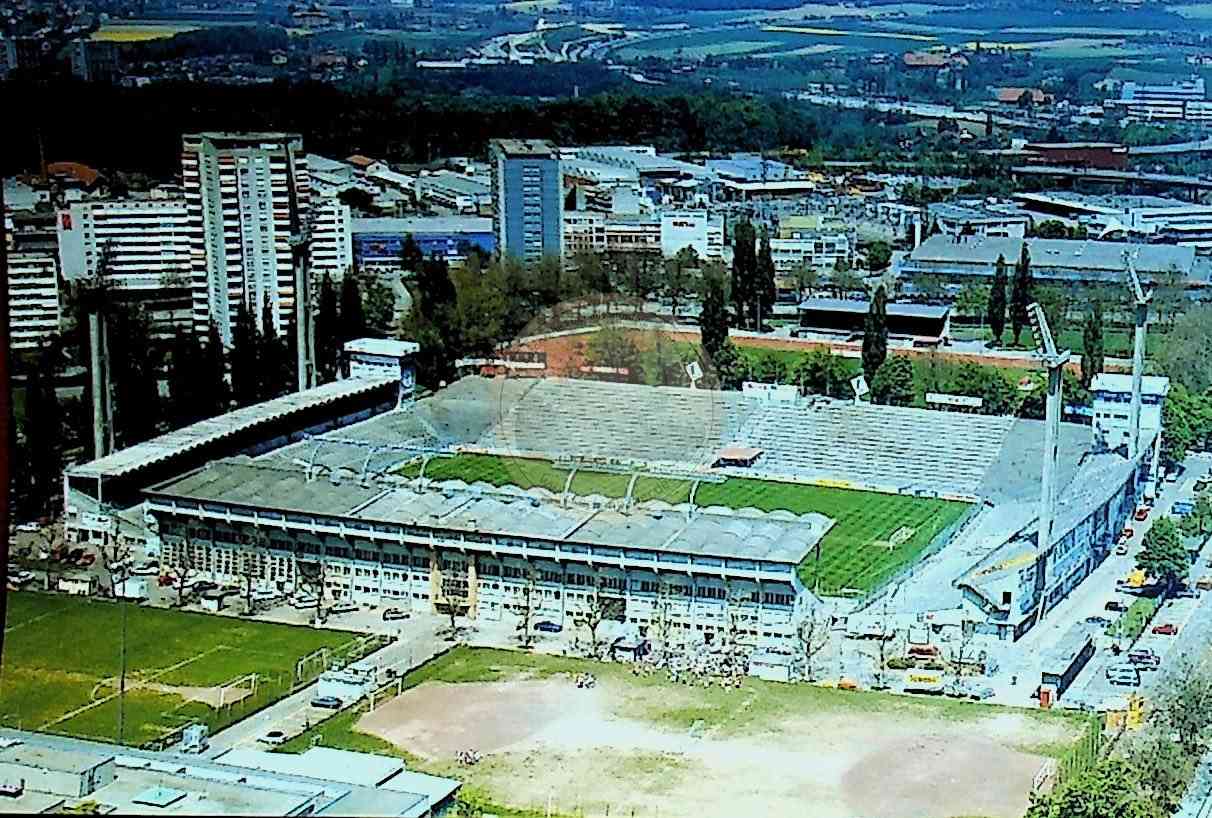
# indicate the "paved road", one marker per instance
pixel 1192 616
pixel 417 643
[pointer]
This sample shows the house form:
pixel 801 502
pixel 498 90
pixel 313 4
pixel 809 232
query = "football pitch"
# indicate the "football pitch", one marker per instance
pixel 874 536
pixel 62 660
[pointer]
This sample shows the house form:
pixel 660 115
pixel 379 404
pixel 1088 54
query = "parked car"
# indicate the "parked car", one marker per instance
pixel 342 608
pixel 74 555
pixel 1129 533
pixel 1142 513
pixel 166 580
pixel 146 568
pixel 1123 675
pixel 1101 621
pixel 1145 659
pixel 1116 606
pixel 392 614
pixel 273 737
pixel 1121 549
pixel 1182 508
pixel 548 627
pixel 1185 591
pixel 327 702
pixel 203 586
pixel 86 560
pixel 1166 629
pixel 28 528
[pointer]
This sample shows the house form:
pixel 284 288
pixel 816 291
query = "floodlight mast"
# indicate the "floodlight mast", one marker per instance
pixel 1054 360
pixel 1141 297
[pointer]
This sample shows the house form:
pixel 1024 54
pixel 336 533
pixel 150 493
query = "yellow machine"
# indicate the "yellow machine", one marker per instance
pixel 1126 714
pixel 1136 579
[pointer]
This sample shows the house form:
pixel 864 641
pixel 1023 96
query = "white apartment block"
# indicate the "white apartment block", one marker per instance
pixel 698 229
pixel 33 294
pixel 146 242
pixel 248 197
pixel 821 252
pixel 584 232
pixel 331 242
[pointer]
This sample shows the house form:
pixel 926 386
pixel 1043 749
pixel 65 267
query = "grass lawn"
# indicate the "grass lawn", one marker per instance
pixel 1133 621
pixel 62 653
pixel 855 553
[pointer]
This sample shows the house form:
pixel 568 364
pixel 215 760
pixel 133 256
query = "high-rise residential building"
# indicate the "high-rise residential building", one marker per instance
pixel 33 294
pixel 528 198
pixel 146 246
pixel 248 199
pixel 331 243
pixel 94 60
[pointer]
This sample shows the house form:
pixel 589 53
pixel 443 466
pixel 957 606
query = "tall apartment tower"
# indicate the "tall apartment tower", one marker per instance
pixel 527 197
pixel 248 197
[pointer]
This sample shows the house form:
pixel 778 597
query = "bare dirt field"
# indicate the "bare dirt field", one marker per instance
pixel 611 750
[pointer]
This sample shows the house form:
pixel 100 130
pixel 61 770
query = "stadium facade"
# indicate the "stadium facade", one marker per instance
pixel 327 489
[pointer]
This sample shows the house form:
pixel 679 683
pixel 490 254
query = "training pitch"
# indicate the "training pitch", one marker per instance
pixel 62 660
pixel 875 534
pixel 647 746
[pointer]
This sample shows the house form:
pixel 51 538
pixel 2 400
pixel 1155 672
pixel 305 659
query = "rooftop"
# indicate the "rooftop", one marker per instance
pixel 57 759
pixel 457 182
pixel 895 308
pixel 422 224
pixel 453 506
pixel 534 148
pixel 383 346
pixel 1115 382
pixel 212 430
pixel 1080 254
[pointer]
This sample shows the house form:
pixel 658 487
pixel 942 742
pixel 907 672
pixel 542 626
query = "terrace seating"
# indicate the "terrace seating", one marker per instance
pixel 884 446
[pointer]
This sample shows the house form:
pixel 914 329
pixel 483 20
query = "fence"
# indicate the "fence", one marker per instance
pixel 1084 754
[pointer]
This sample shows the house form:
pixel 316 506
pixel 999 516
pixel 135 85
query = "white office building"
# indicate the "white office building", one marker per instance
pixel 1112 395
pixel 33 294
pixel 248 198
pixel 331 247
pixel 698 229
pixel 821 252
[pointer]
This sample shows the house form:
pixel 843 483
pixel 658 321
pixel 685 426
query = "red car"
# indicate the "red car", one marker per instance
pixel 166 580
pixel 1129 533
pixel 1167 629
pixel 1141 513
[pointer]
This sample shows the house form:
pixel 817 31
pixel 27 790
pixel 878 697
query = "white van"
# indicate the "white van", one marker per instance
pixel 1123 675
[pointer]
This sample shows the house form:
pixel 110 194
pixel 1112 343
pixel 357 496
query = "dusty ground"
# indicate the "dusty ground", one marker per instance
pixel 548 740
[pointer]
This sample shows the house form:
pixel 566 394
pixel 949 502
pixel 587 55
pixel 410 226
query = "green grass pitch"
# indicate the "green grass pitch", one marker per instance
pixel 861 549
pixel 64 653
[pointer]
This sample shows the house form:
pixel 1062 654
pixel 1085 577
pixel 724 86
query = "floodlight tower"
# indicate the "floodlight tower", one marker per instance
pixel 1055 362
pixel 1142 297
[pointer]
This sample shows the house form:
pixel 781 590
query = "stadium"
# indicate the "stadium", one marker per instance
pixel 698 513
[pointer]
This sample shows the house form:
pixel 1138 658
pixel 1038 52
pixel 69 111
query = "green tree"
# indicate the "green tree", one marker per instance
pixel 1186 351
pixel 136 366
pixel 41 435
pixel 613 347
pixel 1163 555
pixel 875 334
pixel 744 271
pixel 821 372
pixel 677 276
pixel 353 317
pixel 879 255
pixel 245 343
pixel 1021 294
pixel 845 281
pixel 327 326
pixel 214 392
pixel 729 366
pixel 482 308
pixel 1052 229
pixel 411 256
pixel 1092 344
pixel 1111 789
pixel 997 301
pixel 893 382
pixel 185 401
pixel 764 286
pixel 713 320
pixel 276 373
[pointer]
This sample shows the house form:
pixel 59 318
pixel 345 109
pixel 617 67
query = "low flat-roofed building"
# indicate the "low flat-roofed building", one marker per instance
pixel 378 242
pixel 975 219
pixel 64 771
pixel 319 781
pixel 918 324
pixel 454 191
pixel 1074 260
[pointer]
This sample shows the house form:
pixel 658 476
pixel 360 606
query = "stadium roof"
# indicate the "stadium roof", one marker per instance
pixel 240 482
pixel 212 430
